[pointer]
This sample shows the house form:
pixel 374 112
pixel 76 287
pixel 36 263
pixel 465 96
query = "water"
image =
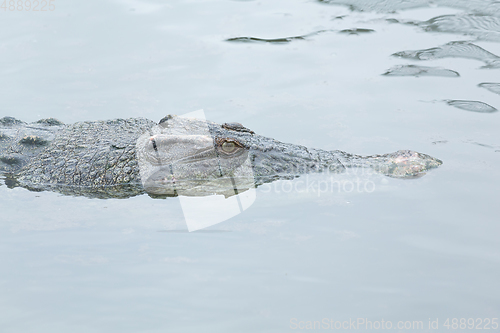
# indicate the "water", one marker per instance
pixel 410 250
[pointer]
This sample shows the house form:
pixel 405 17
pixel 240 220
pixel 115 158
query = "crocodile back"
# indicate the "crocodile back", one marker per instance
pixel 87 158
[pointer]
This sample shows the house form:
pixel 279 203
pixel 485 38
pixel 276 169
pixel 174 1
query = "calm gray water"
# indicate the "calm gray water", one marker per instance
pixel 424 250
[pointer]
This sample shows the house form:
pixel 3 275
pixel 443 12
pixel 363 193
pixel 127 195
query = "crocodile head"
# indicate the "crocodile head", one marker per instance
pixel 192 157
pixel 186 156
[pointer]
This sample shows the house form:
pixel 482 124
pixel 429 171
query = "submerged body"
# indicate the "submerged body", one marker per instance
pixel 126 157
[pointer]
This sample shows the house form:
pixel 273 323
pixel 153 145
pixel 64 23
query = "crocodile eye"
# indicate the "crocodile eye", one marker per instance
pixel 229 147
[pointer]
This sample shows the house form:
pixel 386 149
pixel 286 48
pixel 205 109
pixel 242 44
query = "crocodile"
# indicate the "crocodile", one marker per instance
pixel 122 158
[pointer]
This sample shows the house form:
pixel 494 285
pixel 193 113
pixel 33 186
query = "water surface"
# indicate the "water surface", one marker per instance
pixel 410 250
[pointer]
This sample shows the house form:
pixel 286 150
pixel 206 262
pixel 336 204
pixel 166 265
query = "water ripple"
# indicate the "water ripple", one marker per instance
pixel 493 87
pixel 453 50
pixel 481 26
pixel 474 106
pixel 356 31
pixel 282 40
pixel 490 7
pixel 413 70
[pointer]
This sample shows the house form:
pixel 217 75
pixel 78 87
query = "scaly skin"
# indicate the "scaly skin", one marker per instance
pixel 106 159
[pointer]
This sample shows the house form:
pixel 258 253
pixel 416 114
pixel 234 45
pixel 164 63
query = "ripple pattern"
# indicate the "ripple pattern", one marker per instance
pixel 474 106
pixel 490 7
pixel 493 87
pixel 481 26
pixel 282 40
pixel 413 70
pixel 454 50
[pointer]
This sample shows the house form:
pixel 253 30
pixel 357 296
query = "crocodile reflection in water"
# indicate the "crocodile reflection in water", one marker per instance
pixel 106 159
